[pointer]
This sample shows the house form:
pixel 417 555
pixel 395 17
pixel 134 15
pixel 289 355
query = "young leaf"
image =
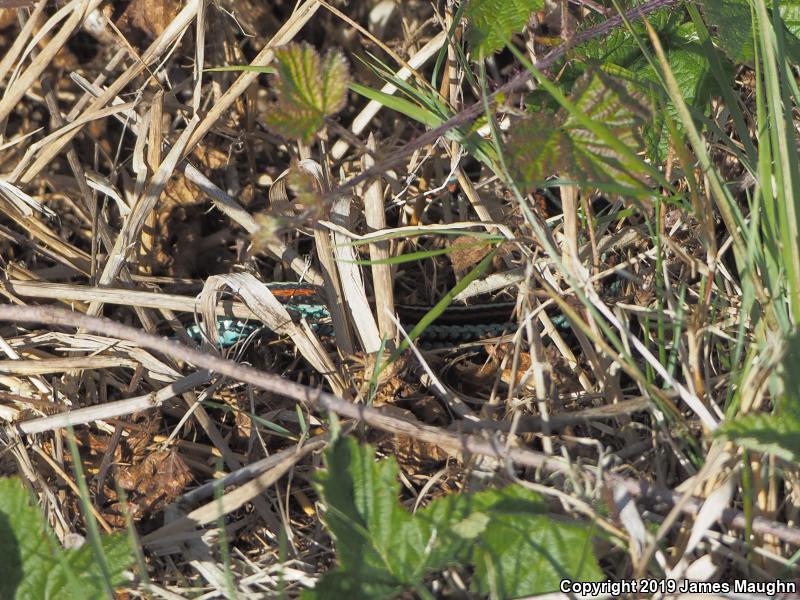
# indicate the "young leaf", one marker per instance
pixel 505 537
pixel 34 564
pixel 542 145
pixel 309 89
pixel 493 22
pixel 538 148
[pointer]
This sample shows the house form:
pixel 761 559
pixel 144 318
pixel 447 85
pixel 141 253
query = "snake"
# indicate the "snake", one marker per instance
pixel 457 324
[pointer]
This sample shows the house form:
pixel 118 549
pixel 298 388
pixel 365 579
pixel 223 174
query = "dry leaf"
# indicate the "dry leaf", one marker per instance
pixel 146 17
pixel 466 252
pixel 155 482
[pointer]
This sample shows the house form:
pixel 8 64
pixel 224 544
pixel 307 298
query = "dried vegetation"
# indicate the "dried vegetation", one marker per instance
pixel 133 182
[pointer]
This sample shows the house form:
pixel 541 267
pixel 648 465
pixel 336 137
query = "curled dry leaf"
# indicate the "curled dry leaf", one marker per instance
pixel 295 198
pixel 306 187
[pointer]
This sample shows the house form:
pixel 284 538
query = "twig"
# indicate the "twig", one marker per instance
pixel 113 409
pixel 325 401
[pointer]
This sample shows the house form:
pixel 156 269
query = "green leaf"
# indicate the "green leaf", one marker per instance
pixel 472 526
pixel 524 553
pixel 493 22
pixel 538 148
pixel 309 89
pixel 619 53
pixel 778 433
pixel 620 46
pixel 734 22
pixel 690 65
pixel 692 70
pixel 503 534
pixel 34 564
pixel 366 522
pixel 518 549
pixel 542 145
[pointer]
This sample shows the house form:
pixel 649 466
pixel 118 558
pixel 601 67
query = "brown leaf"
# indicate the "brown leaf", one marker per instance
pixel 155 482
pixel 466 252
pixel 211 158
pixel 8 16
pixel 414 456
pixel 146 17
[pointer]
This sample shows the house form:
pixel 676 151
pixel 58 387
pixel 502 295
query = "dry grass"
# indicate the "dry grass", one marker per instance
pixel 131 181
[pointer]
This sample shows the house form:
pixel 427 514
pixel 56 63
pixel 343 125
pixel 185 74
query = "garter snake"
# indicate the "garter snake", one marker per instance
pixel 457 324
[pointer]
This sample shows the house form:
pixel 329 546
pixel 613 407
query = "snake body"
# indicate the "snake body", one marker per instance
pixel 458 324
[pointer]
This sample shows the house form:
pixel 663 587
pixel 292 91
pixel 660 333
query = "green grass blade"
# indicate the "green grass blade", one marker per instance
pixel 440 306
pixel 91 525
pixel 401 105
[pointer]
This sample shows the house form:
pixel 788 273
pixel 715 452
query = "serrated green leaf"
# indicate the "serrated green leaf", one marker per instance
pixel 692 70
pixel 371 530
pixel 734 22
pixel 34 565
pixel 778 433
pixel 620 53
pixel 472 526
pixel 493 22
pixel 772 434
pixel 543 145
pixel 690 66
pixel 537 148
pixel 619 46
pixel 622 113
pixel 523 553
pixel 522 549
pixel 308 89
pixel 383 549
